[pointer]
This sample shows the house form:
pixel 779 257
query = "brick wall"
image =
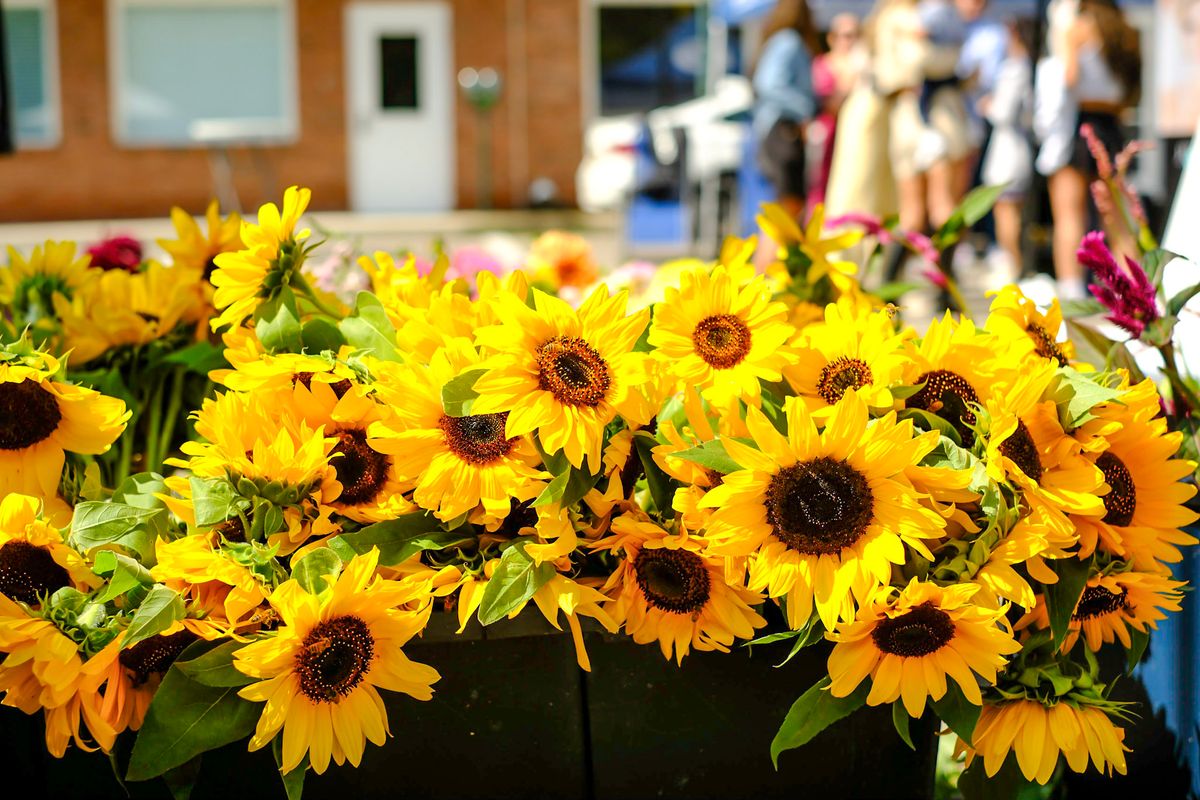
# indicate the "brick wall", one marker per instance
pixel 537 129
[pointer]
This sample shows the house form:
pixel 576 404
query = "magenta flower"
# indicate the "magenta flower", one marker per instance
pixel 1127 292
pixel 117 252
pixel 918 243
pixel 1099 152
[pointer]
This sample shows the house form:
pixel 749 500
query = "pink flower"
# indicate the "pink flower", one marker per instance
pixel 117 252
pixel 1127 292
pixel 935 276
pixel 918 243
pixel 469 261
pixel 1103 163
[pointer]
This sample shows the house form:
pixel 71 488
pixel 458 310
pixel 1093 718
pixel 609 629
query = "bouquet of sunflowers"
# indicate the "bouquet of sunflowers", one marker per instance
pixel 966 515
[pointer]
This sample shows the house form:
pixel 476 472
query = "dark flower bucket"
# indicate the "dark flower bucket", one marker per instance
pixel 514 716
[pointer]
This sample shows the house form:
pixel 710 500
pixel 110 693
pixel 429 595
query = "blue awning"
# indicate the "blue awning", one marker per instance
pixel 734 12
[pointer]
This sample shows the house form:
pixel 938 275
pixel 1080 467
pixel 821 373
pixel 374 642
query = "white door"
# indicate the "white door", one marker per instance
pixel 400 106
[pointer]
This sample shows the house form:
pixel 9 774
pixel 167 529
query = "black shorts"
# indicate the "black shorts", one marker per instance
pixel 1107 129
pixel 781 158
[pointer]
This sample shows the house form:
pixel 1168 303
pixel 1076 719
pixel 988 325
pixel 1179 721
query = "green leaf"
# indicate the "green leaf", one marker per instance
pixel 1153 263
pixel 900 722
pixel 215 667
pixel 215 500
pixel 710 455
pixel 974 207
pixel 369 328
pixel 161 608
pixel 929 421
pixel 316 568
pixel 123 573
pixel 515 580
pixel 140 491
pixel 181 780
pixel 397 539
pixel 567 488
pixel 293 782
pixel 459 393
pixel 200 358
pixel 1007 784
pixel 1062 597
pixel 957 711
pixel 1181 298
pixel 97 524
pixel 1160 332
pixel 277 323
pixel 812 632
pixel 320 334
pixel 1077 393
pixel 1139 640
pixel 815 711
pixel 1084 307
pixel 186 719
pixel 662 488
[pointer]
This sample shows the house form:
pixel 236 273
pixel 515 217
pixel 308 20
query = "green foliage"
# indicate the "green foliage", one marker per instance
pixel 515 580
pixel 319 335
pixel 162 608
pixel 277 323
pixel 1062 597
pixel 459 393
pixel 215 500
pixel 187 718
pixel 710 455
pixel 124 574
pixel 199 358
pixel 974 207
pixel 213 666
pixel 662 488
pixel 317 570
pixel 900 720
pixel 369 328
pixel 98 524
pixel 815 711
pixel 959 713
pixel 397 539
pixel 1077 393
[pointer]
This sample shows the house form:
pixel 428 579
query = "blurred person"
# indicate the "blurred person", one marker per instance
pixel 1178 40
pixel 917 49
pixel 984 49
pixel 1008 159
pixel 835 74
pixel 1092 76
pixel 785 100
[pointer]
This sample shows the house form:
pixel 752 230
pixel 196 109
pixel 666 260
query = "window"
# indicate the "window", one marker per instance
pixel 31 52
pixel 650 56
pixel 183 69
pixel 398 72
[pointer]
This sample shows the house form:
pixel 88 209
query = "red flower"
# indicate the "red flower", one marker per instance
pixel 118 252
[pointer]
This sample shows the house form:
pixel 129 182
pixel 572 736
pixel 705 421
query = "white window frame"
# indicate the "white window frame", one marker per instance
pixel 289 69
pixel 50 73
pixel 589 47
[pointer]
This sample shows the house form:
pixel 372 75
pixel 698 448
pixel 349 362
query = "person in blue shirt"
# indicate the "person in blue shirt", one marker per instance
pixel 983 51
pixel 785 100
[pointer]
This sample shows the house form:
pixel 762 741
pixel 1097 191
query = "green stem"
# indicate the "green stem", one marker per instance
pixel 153 428
pixel 300 284
pixel 955 295
pixel 174 405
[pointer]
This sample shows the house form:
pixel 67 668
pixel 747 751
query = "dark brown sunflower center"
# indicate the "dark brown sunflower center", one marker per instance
pixel 210 266
pixel 948 394
pixel 1121 500
pixel 819 506
pixel 521 515
pixel 478 439
pixel 841 375
pixel 919 632
pixel 722 340
pixel 1021 448
pixel 27 571
pixel 28 414
pixel 339 387
pixel 334 657
pixel 1044 344
pixel 232 529
pixel 572 370
pixel 672 580
pixel 360 470
pixel 1098 601
pixel 154 656
pixel 715 478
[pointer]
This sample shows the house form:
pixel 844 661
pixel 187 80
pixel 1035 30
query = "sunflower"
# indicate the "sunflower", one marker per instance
pixel 1038 733
pixel 29 285
pixel 787 234
pixel 668 590
pixel 134 674
pixel 1113 603
pixel 42 669
pixel 458 462
pixel 848 352
pixel 368 486
pixel 824 514
pixel 280 372
pixel 1028 544
pixel 565 373
pixel 197 250
pixel 721 336
pixel 321 670
pixel 956 366
pixel 1027 446
pixel 35 562
pixel 403 290
pixel 1027 333
pixel 196 567
pixel 130 308
pixel 41 418
pixel 1144 507
pixel 909 640
pixel 270 260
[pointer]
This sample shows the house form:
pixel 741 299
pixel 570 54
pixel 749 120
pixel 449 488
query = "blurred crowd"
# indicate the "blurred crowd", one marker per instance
pixel 906 111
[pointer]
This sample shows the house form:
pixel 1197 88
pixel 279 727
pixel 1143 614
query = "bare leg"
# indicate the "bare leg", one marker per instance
pixel 1007 214
pixel 1068 206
